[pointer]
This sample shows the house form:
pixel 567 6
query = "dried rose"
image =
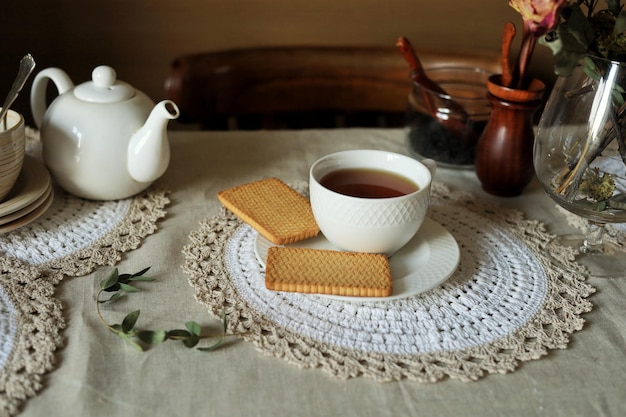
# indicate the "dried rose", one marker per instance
pixel 539 16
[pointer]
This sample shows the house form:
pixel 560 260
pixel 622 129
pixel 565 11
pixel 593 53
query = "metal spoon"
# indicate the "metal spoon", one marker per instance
pixel 27 64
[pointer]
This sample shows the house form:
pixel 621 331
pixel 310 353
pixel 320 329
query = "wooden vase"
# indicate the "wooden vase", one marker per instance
pixel 504 153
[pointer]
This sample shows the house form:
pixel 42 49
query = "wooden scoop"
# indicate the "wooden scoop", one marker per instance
pixel 417 71
pixel 419 76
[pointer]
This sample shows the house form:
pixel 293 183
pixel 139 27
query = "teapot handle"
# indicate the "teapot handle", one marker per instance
pixel 38 91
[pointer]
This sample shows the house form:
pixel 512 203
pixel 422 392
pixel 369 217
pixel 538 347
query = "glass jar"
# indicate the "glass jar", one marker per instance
pixel 446 127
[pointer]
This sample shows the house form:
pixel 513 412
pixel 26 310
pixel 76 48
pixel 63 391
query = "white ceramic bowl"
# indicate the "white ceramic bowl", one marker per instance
pixel 379 225
pixel 12 150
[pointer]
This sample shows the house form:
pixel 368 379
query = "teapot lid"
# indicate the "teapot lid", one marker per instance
pixel 104 88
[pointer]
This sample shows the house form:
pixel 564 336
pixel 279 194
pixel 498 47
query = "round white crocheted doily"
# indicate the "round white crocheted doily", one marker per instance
pixel 503 305
pixel 75 235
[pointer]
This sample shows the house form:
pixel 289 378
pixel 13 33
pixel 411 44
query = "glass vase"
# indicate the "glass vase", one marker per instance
pixel 579 158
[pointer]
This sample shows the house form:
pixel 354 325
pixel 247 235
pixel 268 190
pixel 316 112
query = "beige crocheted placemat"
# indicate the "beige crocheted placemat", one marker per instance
pixel 504 305
pixel 72 238
pixel 31 321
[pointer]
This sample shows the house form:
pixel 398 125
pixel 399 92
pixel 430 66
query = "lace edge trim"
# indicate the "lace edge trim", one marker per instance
pixel 39 324
pixel 559 317
pixel 141 220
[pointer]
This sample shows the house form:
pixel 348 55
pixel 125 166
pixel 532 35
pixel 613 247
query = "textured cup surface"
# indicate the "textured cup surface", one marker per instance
pixel 12 149
pixel 379 225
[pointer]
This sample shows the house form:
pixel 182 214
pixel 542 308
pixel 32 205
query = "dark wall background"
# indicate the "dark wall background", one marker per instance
pixel 140 38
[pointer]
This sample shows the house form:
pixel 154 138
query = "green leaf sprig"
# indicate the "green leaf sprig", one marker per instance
pixel 586 30
pixel 123 284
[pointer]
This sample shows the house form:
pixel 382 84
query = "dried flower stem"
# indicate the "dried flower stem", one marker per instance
pixel 589 153
pixel 526 51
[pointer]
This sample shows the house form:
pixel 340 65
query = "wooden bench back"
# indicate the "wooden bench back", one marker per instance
pixel 301 87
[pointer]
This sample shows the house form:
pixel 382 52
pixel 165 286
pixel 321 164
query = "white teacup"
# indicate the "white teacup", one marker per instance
pixel 12 150
pixel 367 224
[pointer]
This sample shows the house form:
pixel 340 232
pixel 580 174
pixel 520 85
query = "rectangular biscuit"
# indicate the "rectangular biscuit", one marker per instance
pixel 272 208
pixel 318 271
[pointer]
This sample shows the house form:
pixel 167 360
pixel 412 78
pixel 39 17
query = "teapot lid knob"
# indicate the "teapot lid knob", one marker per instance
pixel 103 76
pixel 104 87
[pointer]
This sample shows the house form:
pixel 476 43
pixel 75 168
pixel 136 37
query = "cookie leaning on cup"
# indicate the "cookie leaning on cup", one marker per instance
pixel 275 210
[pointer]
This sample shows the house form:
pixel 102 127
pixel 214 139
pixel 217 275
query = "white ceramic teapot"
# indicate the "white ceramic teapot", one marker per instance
pixel 102 140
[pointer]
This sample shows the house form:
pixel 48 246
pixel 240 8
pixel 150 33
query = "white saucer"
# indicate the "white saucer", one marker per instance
pixel 33 182
pixel 429 259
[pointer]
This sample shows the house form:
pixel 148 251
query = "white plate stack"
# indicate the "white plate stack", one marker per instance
pixel 30 197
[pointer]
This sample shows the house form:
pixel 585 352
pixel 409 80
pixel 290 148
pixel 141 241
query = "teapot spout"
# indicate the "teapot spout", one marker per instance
pixel 149 149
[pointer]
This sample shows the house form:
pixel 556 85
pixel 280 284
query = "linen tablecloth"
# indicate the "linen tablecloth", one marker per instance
pixel 100 375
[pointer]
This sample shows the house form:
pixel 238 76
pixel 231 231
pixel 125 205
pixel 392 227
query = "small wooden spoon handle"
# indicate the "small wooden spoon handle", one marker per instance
pixel 419 76
pixel 417 71
pixel 507 39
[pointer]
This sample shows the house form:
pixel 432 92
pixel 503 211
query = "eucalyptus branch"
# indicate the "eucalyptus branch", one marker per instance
pixel 124 284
